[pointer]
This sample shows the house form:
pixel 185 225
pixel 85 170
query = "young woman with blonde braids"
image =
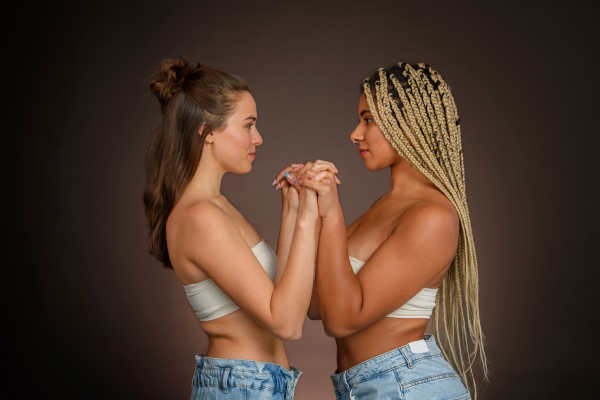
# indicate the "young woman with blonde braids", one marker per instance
pixel 410 255
pixel 248 299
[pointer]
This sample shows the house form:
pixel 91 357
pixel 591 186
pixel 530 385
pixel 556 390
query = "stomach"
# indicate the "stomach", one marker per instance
pixel 380 337
pixel 236 335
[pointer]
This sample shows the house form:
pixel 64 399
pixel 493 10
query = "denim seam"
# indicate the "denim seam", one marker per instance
pixel 399 383
pixel 244 386
pixel 233 370
pixel 375 375
pixel 415 360
pixel 428 379
pixel 417 357
pixel 394 367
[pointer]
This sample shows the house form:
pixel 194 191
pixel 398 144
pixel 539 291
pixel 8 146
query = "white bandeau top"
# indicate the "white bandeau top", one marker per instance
pixel 210 302
pixel 420 306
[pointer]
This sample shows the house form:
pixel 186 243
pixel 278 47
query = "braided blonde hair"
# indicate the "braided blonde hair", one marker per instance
pixel 413 107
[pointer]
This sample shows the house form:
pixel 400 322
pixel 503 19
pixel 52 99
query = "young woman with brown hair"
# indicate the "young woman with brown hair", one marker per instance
pixel 249 299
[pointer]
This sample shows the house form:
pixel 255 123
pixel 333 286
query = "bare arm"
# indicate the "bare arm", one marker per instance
pixel 226 258
pixel 286 182
pixel 313 310
pixel 420 249
pixel 289 214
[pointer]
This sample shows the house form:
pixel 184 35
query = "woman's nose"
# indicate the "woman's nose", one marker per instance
pixel 257 139
pixel 357 135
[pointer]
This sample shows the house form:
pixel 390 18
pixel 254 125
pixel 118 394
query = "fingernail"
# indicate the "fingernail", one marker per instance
pixel 300 181
pixel 274 182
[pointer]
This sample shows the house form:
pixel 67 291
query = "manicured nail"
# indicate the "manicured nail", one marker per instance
pixel 274 182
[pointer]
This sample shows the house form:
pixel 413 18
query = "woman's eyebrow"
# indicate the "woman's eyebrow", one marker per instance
pixel 364 112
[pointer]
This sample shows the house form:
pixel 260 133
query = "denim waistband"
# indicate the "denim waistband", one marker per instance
pixel 392 359
pixel 246 365
pixel 228 372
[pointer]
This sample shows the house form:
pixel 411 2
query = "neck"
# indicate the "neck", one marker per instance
pixel 406 180
pixel 207 178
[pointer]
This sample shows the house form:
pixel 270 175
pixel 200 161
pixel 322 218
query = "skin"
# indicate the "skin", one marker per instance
pixel 408 239
pixel 208 238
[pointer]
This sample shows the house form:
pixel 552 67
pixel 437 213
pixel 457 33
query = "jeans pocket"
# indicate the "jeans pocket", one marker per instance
pixel 439 387
pixel 382 386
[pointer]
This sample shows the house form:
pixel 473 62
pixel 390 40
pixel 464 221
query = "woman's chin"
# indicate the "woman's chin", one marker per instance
pixel 371 166
pixel 243 169
pixel 375 167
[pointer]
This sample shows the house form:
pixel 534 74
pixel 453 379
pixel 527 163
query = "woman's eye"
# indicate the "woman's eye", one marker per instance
pixel 249 126
pixel 367 120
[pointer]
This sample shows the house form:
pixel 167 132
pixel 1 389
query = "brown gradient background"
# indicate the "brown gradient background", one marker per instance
pixel 89 314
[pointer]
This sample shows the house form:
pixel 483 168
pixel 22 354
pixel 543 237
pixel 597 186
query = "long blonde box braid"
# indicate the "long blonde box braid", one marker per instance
pixel 422 125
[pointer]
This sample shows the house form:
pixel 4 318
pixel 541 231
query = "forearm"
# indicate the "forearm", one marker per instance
pixel 338 290
pixel 291 297
pixel 286 233
pixel 313 309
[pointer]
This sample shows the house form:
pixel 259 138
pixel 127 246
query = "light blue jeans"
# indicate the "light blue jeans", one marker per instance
pixel 230 378
pixel 417 370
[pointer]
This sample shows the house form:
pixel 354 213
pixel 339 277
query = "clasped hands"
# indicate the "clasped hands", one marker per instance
pixel 319 176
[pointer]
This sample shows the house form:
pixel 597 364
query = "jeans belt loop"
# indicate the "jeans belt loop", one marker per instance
pixel 407 357
pixel 224 380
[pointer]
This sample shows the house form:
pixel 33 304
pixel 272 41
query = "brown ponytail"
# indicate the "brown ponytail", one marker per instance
pixel 189 97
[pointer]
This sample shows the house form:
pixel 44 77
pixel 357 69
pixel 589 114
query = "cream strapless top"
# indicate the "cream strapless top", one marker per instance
pixel 420 306
pixel 210 302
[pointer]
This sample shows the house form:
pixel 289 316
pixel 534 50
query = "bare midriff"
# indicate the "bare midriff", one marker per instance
pixel 236 335
pixel 378 338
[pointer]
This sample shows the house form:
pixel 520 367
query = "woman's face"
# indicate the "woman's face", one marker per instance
pixel 373 147
pixel 235 144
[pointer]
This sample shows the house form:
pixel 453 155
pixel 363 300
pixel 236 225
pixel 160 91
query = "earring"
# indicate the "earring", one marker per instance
pixel 209 141
pixel 353 141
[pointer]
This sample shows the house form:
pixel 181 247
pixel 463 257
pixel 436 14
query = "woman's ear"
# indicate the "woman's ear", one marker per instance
pixel 209 136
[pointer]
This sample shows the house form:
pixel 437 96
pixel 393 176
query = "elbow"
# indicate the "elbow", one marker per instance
pixel 288 333
pixel 295 335
pixel 337 330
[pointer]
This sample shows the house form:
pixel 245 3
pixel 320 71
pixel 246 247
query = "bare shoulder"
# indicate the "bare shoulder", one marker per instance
pixel 205 218
pixel 433 219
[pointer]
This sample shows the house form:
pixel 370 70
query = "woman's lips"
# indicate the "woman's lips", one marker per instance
pixel 362 152
pixel 253 155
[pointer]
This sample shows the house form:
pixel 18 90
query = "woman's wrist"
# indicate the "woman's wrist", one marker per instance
pixel 334 215
pixel 289 209
pixel 305 222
